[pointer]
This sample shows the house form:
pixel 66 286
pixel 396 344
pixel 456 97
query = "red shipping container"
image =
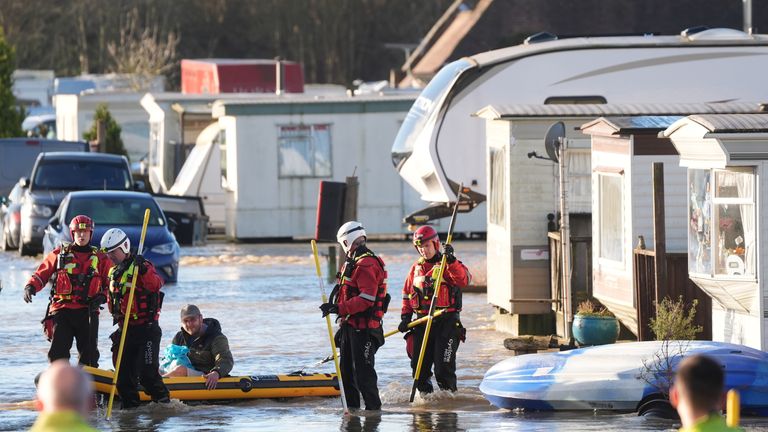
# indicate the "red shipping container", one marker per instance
pixel 213 76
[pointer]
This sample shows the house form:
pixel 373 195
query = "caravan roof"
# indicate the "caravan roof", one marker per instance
pixel 440 146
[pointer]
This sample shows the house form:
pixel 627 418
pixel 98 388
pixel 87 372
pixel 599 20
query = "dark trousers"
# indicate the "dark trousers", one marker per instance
pixel 139 365
pixel 69 324
pixel 358 349
pixel 440 351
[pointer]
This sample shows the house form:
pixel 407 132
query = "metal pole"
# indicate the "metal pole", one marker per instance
pixel 565 233
pixel 747 16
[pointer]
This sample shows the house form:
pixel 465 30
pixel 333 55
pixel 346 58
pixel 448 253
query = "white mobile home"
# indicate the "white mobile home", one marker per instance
pixel 177 119
pixel 276 151
pixel 74 117
pixel 727 161
pixel 624 150
pixel 523 190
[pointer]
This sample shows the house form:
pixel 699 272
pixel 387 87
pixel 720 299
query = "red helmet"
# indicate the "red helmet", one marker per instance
pixel 425 233
pixel 79 223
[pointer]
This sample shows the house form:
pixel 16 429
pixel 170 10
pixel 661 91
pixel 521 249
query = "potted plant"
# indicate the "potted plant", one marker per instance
pixel 594 325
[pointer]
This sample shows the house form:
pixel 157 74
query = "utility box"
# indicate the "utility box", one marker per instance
pixel 214 76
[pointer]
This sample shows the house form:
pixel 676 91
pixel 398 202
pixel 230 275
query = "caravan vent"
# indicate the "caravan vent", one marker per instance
pixel 539 37
pixel 707 34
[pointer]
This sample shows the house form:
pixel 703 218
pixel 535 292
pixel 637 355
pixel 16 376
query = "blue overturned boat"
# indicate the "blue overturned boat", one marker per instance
pixel 619 377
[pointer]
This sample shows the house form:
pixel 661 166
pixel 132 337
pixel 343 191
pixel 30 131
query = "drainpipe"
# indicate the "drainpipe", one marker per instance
pixel 565 239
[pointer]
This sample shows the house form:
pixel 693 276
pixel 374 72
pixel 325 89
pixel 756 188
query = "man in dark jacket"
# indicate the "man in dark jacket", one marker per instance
pixel 208 348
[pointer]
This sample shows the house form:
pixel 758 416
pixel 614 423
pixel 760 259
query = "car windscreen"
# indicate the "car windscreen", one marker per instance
pixel 108 211
pixel 81 175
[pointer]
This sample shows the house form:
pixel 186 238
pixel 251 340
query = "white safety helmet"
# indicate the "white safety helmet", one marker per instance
pixel 348 233
pixel 115 238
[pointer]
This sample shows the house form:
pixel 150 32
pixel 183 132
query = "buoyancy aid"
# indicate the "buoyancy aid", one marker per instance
pixel 146 304
pixel 419 296
pixel 75 280
pixel 347 289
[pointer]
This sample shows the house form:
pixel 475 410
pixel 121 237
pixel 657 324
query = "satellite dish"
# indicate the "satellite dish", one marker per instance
pixel 552 141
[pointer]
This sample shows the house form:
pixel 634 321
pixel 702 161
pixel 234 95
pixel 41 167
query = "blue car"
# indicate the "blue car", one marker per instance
pixel 124 210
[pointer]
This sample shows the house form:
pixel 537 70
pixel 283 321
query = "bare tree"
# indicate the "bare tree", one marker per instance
pixel 142 52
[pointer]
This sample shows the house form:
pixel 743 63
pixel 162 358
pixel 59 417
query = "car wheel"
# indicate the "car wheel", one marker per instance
pixel 4 246
pixel 24 250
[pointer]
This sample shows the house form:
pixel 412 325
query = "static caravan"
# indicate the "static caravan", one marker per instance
pixel 726 157
pixel 177 119
pixel 523 190
pixel 624 150
pixel 74 117
pixel 276 151
pixel 440 146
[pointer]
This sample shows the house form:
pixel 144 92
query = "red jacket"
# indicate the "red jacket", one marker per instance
pixel 147 298
pixel 362 291
pixel 83 275
pixel 418 288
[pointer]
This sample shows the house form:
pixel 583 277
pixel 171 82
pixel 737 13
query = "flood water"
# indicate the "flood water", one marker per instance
pixel 266 298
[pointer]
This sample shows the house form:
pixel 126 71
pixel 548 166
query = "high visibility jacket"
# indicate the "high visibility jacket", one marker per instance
pixel 419 286
pixel 362 282
pixel 147 298
pixel 76 273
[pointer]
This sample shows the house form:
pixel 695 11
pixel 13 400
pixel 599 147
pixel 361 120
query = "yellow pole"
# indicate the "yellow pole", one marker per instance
pixel 330 328
pixel 417 322
pixel 732 408
pixel 127 317
pixel 438 282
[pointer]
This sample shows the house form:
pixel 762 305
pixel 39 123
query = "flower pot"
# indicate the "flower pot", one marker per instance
pixel 595 330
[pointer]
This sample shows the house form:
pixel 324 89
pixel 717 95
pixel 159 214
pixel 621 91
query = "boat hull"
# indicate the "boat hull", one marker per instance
pixel 228 388
pixel 618 377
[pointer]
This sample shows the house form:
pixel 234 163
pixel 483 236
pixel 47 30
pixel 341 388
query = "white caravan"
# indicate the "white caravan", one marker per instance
pixel 440 146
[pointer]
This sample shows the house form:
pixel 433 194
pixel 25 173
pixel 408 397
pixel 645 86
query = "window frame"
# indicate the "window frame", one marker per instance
pixel 312 149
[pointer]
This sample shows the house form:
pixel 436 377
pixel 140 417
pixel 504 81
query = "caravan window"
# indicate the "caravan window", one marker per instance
pixel 304 150
pixel 497 186
pixel 721 235
pixel 611 223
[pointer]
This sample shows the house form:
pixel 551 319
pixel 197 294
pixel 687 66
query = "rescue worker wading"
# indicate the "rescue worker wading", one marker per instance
pixel 446 331
pixel 78 275
pixel 139 363
pixel 360 299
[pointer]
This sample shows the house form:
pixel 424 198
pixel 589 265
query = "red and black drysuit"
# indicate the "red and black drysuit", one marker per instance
pixel 446 330
pixel 140 362
pixel 78 276
pixel 362 300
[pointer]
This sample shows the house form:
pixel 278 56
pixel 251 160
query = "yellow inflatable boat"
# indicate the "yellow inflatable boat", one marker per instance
pixel 238 387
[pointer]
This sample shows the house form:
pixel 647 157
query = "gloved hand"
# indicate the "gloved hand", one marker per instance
pixel 329 308
pixel 29 291
pixel 405 319
pixel 140 264
pixel 96 301
pixel 450 258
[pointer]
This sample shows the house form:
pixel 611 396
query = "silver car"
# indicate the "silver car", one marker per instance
pixel 10 218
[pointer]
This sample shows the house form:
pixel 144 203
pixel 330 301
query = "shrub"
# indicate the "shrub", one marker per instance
pixel 674 321
pixel 113 143
pixel 588 308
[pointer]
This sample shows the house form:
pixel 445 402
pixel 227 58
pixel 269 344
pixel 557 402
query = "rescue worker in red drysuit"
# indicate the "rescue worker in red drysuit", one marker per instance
pixel 139 363
pixel 360 299
pixel 78 275
pixel 446 330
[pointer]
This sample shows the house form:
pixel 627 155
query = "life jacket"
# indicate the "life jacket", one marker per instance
pixel 347 289
pixel 420 297
pixel 146 305
pixel 71 282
